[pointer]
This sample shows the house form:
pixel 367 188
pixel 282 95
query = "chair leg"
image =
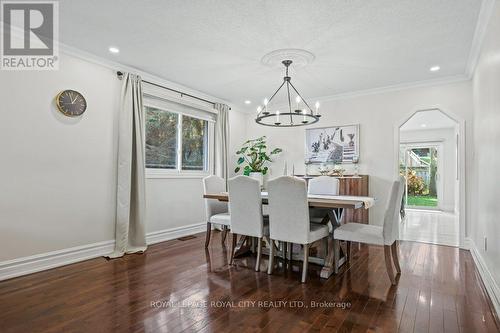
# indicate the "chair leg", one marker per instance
pixel 223 236
pixel 259 251
pixel 388 263
pixel 209 232
pixel 395 259
pixel 233 248
pixel 271 258
pixel 336 253
pixel 348 250
pixel 305 263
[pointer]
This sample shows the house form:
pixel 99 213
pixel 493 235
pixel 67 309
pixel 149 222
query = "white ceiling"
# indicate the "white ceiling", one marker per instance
pixel 425 120
pixel 216 46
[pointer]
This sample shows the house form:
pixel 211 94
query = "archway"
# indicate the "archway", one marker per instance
pixel 430 151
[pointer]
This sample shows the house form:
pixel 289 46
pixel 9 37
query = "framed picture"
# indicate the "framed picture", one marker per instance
pixel 338 144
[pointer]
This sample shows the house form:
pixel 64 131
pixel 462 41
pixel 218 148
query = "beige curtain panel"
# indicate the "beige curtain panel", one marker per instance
pixel 130 195
pixel 221 141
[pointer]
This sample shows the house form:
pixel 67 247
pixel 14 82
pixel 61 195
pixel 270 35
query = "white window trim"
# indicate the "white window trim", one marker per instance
pixel 157 173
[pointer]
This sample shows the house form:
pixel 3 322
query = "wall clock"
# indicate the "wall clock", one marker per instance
pixel 71 103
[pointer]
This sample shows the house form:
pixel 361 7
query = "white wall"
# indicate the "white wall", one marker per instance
pixel 446 137
pixel 486 89
pixel 378 116
pixel 58 174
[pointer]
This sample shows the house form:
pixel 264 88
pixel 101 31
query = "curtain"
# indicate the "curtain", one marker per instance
pixel 221 141
pixel 130 232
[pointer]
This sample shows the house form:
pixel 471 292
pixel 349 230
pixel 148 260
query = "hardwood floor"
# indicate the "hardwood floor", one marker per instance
pixel 438 291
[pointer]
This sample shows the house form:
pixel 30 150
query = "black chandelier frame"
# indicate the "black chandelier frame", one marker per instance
pixel 308 118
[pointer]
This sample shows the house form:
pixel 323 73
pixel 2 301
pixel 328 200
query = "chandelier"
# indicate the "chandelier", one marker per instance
pixel 296 114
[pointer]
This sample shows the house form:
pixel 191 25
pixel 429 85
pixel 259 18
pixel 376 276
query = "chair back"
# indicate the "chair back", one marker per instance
pixel 288 210
pixel 214 184
pixel 324 185
pixel 392 213
pixel 245 203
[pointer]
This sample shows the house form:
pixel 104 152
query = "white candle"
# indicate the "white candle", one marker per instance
pixel 304 113
pixel 297 100
pixel 317 108
pixel 265 104
pixel 277 116
pixel 259 109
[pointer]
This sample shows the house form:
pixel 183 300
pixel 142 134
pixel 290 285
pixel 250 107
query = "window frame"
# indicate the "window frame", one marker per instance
pixel 152 173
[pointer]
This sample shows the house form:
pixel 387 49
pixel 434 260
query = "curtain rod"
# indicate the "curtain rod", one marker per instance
pixel 120 75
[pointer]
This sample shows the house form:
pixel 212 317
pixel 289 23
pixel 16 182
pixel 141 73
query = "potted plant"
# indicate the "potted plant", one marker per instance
pixel 254 157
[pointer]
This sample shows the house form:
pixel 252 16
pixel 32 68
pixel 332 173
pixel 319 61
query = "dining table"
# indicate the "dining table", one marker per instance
pixel 333 207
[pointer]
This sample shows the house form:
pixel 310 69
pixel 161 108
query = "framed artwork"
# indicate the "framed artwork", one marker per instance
pixel 337 144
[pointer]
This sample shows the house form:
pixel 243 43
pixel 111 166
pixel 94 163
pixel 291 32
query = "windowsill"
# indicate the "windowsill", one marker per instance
pixel 166 174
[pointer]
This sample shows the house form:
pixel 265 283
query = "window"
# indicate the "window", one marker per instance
pixel 175 141
pixel 194 143
pixel 161 139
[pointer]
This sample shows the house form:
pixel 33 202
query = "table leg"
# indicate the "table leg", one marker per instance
pixel 240 249
pixel 329 268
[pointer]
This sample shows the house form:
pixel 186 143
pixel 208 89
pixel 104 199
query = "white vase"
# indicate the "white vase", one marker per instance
pixel 259 176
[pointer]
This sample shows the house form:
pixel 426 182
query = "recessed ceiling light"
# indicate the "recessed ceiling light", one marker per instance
pixel 114 50
pixel 248 102
pixel 434 68
pixel 423 125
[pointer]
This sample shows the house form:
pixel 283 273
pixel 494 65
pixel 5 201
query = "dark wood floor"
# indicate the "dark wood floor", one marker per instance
pixel 439 291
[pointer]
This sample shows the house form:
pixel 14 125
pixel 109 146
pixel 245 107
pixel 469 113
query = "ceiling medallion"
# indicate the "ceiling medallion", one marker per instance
pixel 300 115
pixel 299 57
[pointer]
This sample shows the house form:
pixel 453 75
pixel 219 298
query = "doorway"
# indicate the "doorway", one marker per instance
pixel 422 164
pixel 428 145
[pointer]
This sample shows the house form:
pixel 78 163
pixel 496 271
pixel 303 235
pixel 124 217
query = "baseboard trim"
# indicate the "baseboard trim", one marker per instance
pixel 485 274
pixel 173 233
pixel 40 262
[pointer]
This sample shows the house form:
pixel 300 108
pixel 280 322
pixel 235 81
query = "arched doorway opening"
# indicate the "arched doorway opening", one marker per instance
pixel 429 154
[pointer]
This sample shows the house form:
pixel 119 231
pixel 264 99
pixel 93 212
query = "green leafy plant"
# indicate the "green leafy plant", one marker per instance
pixel 416 184
pixel 253 156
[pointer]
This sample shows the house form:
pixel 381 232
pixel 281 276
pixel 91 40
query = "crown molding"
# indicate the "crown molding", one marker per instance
pixel 117 66
pixel 396 87
pixel 485 13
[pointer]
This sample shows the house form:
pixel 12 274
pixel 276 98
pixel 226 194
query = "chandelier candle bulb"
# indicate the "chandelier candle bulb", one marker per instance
pixel 277 117
pixel 304 120
pixel 297 100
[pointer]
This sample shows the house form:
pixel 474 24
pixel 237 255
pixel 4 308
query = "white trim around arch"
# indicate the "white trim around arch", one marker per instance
pixel 461 162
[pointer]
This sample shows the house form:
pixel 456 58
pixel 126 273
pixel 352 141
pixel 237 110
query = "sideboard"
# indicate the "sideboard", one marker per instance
pixel 352 185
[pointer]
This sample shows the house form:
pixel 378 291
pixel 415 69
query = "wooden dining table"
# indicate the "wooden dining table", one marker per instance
pixel 332 206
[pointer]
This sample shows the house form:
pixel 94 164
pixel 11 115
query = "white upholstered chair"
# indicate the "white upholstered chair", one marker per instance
pixel 217 212
pixel 385 235
pixel 323 185
pixel 289 217
pixel 246 213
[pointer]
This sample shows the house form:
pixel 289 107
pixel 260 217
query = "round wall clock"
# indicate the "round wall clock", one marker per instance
pixel 71 103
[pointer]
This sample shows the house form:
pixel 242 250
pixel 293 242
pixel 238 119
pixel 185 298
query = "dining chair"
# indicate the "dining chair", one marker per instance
pixel 217 212
pixel 245 202
pixel 289 220
pixel 323 185
pixel 385 235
